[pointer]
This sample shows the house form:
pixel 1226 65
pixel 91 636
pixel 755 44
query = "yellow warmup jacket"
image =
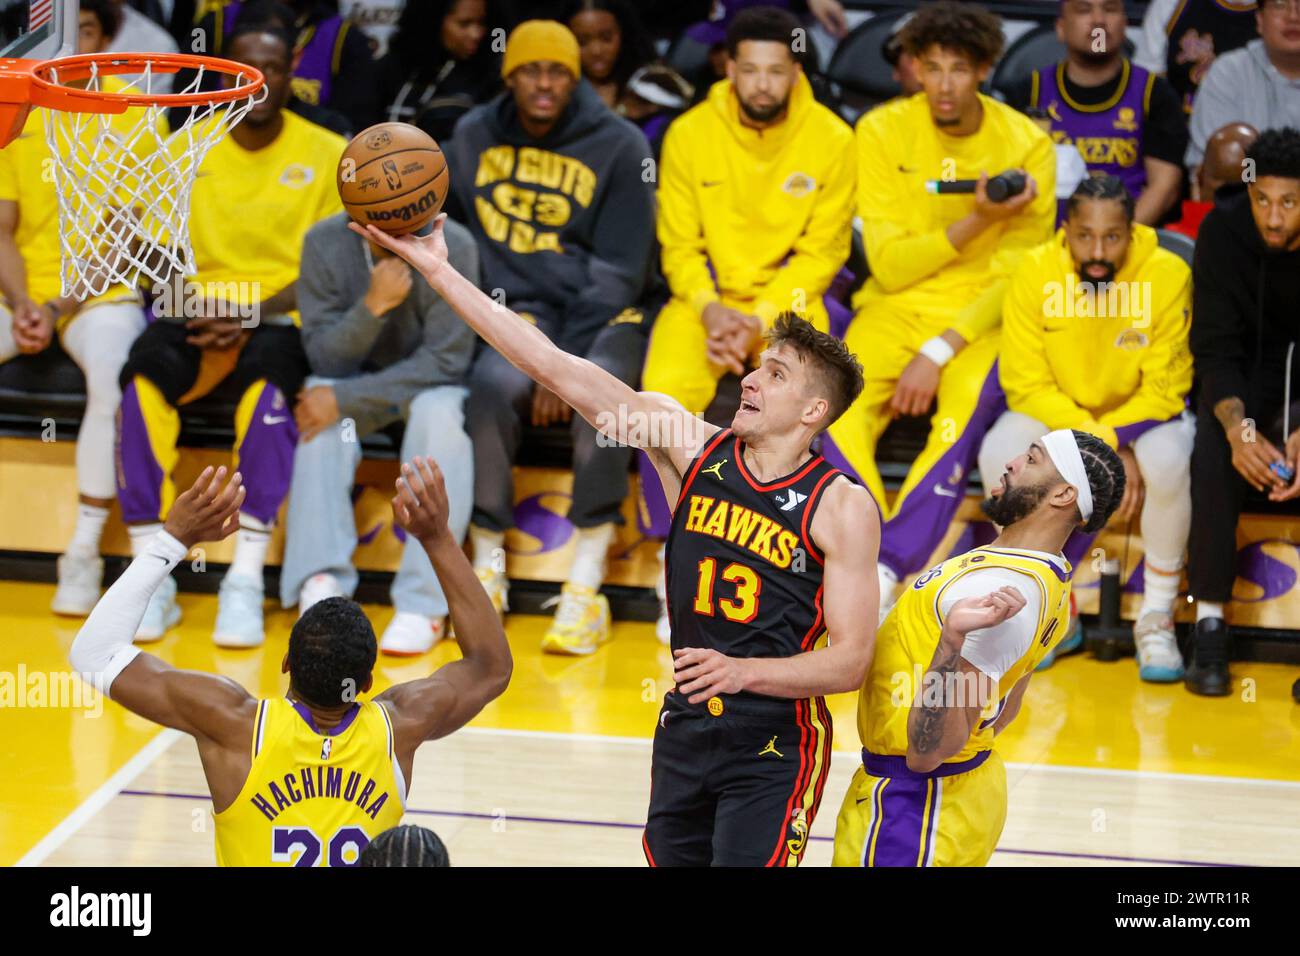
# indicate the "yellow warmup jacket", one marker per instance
pixel 1111 365
pixel 768 209
pixel 904 227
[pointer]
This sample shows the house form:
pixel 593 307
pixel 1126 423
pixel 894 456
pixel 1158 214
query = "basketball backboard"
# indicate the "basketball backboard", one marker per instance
pixel 38 29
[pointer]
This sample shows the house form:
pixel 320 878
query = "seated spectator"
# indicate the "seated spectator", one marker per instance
pixel 439 66
pixel 377 19
pixel 1258 84
pixel 1124 121
pixel 902 64
pixel 1247 284
pixel 551 183
pixel 407 845
pixel 95 330
pixel 613 44
pixel 1225 156
pixel 137 33
pixel 925 321
pixel 755 202
pixel 384 348
pixel 655 96
pixel 1181 38
pixel 1094 337
pixel 263 186
pixel 335 67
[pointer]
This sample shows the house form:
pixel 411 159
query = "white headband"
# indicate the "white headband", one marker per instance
pixel 1064 452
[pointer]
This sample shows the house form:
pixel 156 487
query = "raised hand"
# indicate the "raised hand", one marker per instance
pixel 428 254
pixel 420 505
pixel 208 510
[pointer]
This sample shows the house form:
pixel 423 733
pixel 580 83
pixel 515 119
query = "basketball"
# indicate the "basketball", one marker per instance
pixel 394 176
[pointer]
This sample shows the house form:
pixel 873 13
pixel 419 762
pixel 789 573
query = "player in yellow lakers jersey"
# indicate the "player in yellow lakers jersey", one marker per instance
pixel 771 589
pixel 310 778
pixel 953 659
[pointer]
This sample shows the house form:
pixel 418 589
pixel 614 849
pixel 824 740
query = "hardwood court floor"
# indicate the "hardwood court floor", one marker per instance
pixel 1103 770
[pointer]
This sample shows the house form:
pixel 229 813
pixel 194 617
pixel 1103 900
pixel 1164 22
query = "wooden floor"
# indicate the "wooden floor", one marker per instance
pixel 1103 770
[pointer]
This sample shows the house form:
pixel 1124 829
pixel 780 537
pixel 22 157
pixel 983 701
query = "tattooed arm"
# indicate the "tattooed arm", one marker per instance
pixel 947 705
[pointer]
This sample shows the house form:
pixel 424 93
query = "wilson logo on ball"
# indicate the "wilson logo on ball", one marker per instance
pixel 405 213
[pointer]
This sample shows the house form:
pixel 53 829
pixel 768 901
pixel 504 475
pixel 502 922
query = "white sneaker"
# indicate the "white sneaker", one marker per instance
pixel 317 588
pixel 79 580
pixel 1157 648
pixel 410 634
pixel 161 615
pixel 239 612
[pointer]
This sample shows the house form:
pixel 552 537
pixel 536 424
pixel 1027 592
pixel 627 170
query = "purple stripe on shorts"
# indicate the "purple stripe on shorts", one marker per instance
pixel 901 826
pixel 266 453
pixel 139 476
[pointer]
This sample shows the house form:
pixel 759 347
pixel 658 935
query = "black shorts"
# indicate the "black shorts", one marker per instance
pixel 161 354
pixel 737 781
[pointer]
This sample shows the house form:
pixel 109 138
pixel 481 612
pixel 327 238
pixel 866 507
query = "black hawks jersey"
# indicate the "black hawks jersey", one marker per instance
pixel 744 577
pixel 1199 31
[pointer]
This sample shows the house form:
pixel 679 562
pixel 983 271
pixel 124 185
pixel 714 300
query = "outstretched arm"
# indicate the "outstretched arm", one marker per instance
pixel 204 705
pixel 451 696
pixel 641 419
pixel 847 526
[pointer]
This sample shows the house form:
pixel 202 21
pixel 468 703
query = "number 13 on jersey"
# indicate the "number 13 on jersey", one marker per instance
pixel 741 609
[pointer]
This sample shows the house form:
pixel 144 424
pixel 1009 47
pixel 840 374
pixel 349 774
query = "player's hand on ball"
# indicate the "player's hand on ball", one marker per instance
pixel 975 613
pixel 208 510
pixel 701 673
pixel 428 254
pixel 420 505
pixel 390 283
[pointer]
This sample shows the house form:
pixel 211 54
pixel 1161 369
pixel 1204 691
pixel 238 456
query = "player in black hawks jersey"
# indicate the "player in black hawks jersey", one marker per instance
pixel 772 589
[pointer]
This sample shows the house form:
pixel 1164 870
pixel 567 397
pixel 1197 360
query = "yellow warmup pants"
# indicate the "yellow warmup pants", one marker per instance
pixel 885 339
pixel 677 361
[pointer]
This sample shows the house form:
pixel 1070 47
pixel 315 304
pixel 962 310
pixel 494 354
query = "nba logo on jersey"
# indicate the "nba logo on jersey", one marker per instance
pixel 325 746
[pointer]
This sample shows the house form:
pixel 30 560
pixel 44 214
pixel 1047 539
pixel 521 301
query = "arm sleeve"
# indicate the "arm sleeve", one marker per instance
pixel 1166 365
pixel 898 256
pixel 993 650
pixel 103 647
pixel 1217 323
pixel 1031 228
pixel 823 246
pixel 1023 368
pixel 681 233
pixel 622 244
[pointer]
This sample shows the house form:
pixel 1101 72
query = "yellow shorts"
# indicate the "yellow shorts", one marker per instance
pixel 910 819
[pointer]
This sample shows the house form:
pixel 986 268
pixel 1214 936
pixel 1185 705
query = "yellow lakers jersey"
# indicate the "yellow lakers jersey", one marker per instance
pixel 906 642
pixel 313 799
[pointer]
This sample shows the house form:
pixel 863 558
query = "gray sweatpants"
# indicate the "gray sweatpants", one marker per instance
pixel 321 532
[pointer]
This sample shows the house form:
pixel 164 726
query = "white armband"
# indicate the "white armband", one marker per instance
pixel 938 351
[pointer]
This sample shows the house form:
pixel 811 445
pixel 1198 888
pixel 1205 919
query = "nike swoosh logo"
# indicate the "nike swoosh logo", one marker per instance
pixel 268 420
pixel 946 492
pixel 904 169
pixel 711 182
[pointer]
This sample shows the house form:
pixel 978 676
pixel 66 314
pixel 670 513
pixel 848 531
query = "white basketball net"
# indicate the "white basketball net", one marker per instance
pixel 124 185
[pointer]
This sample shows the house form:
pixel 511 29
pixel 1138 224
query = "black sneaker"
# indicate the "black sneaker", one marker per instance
pixel 1207 671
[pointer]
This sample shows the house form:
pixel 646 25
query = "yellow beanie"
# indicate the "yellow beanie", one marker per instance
pixel 535 41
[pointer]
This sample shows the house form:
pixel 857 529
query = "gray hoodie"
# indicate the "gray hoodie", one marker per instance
pixel 380 362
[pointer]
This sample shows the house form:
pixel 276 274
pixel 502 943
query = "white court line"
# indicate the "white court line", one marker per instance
pixel 1052 768
pixel 100 798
